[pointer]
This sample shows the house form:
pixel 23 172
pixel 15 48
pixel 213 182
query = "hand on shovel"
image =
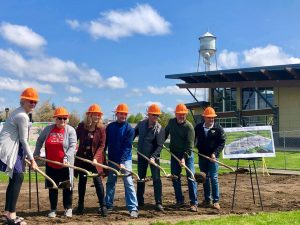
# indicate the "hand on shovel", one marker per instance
pixel 33 164
pixel 182 161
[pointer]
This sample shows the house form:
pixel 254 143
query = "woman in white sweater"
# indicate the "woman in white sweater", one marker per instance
pixel 14 148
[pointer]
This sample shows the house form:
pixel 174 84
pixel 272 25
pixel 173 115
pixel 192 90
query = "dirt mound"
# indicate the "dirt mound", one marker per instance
pixel 279 193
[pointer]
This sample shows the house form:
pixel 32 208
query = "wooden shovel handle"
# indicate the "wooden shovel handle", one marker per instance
pixel 129 171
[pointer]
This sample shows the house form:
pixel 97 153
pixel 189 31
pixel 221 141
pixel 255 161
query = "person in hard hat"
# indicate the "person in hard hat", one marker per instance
pixel 60 145
pixel 182 137
pixel 210 141
pixel 91 135
pixel 150 143
pixel 119 139
pixel 14 148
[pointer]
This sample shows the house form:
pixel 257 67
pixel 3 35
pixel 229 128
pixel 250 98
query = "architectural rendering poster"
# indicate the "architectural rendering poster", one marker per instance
pixel 249 142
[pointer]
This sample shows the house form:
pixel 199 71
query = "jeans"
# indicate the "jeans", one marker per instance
pixel 130 195
pixel 211 171
pixel 155 172
pixel 192 185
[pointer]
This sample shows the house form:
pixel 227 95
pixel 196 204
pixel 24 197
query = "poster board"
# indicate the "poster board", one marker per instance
pixel 249 142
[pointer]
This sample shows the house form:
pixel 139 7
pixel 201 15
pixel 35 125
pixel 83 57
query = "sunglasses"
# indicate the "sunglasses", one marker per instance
pixel 61 118
pixel 33 102
pixel 155 115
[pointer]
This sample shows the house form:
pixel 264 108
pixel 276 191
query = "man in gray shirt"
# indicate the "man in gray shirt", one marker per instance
pixel 150 143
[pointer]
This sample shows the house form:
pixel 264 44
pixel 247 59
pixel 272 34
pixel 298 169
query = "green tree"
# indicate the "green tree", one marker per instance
pixel 138 117
pixel 131 119
pixel 164 119
pixel 74 119
pixel 190 118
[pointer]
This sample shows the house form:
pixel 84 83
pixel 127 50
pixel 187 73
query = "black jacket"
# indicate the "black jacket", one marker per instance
pixel 214 142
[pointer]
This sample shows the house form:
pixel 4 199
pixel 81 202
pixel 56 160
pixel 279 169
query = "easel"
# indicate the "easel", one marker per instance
pixel 250 173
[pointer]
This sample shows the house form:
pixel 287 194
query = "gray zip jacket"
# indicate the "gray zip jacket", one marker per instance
pixel 151 140
pixel 14 131
pixel 69 145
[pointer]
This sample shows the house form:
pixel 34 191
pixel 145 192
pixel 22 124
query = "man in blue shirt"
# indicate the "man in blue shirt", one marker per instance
pixel 119 138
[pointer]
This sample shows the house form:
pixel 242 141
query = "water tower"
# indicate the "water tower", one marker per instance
pixel 207 50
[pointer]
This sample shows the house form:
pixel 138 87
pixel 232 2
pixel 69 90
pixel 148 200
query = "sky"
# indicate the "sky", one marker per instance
pixel 77 53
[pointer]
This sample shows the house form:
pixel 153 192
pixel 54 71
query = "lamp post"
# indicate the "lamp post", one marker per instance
pixel 6 113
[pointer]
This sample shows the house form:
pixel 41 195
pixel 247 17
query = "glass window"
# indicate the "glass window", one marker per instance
pixel 248 98
pixel 268 94
pixel 224 99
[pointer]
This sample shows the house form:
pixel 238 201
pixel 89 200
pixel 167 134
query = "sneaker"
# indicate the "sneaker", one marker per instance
pixel 134 214
pixel 103 211
pixel 52 214
pixel 179 205
pixel 109 209
pixel 206 204
pixel 216 205
pixel 194 208
pixel 159 207
pixel 68 213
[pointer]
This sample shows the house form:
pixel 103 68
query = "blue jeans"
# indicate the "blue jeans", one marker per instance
pixel 211 171
pixel 130 195
pixel 192 185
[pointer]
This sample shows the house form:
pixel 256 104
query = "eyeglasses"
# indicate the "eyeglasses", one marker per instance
pixel 33 102
pixel 155 115
pixel 61 118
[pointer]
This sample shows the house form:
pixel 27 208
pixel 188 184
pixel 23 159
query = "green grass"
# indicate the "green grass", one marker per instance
pixel 279 218
pixel 4 177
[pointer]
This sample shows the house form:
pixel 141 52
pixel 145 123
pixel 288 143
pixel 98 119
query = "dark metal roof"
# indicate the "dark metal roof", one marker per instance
pixel 265 76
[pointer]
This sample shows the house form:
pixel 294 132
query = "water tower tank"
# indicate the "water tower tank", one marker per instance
pixel 207 45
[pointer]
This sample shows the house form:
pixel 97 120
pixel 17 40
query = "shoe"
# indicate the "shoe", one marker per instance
pixel 103 211
pixel 179 205
pixel 109 209
pixel 141 204
pixel 134 214
pixel 216 205
pixel 68 213
pixel 194 208
pixel 159 207
pixel 206 204
pixel 52 214
pixel 79 210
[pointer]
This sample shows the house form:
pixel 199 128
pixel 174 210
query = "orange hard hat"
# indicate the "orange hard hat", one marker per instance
pixel 61 111
pixel 154 109
pixel 94 109
pixel 181 109
pixel 209 112
pixel 122 108
pixel 30 94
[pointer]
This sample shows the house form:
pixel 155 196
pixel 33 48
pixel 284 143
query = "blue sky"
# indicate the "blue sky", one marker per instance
pixel 77 53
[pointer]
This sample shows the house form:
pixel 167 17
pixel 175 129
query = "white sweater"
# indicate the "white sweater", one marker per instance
pixel 15 131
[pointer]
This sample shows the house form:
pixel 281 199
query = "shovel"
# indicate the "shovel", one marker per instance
pixel 181 164
pixel 158 166
pixel 44 175
pixel 131 173
pixel 239 170
pixel 88 173
pixel 101 165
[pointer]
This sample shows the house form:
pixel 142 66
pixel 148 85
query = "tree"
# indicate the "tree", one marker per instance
pixel 74 119
pixel 164 119
pixel 44 112
pixel 131 119
pixel 190 118
pixel 138 117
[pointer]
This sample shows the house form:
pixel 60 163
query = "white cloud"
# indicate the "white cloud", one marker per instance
pixel 170 109
pixel 148 103
pixel 73 89
pixel 52 69
pixel 267 56
pixel 171 90
pixel 19 85
pixel 73 99
pixel 2 100
pixel 21 36
pixel 142 19
pixel 115 82
pixel 228 60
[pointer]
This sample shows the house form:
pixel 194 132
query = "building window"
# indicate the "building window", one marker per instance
pixel 224 99
pixel 227 122
pixel 252 100
pixel 257 120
